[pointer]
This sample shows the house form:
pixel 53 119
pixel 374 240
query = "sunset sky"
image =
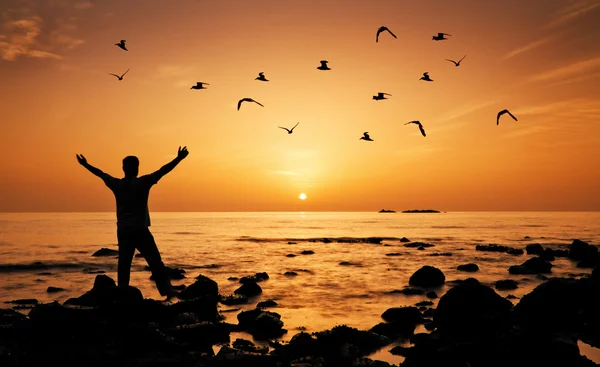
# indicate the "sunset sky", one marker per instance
pixel 538 58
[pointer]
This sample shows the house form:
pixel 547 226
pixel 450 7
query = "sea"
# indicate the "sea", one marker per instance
pixel 346 281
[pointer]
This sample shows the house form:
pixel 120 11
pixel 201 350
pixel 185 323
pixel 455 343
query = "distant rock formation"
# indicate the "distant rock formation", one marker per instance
pixel 421 211
pixel 387 211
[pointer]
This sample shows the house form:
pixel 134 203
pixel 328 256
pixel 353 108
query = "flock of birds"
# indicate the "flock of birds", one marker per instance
pixel 324 66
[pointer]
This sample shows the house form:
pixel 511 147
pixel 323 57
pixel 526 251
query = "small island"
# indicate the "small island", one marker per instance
pixel 421 211
pixel 387 211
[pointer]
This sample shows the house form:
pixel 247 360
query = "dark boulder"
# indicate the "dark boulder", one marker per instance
pixel 261 324
pixel 427 276
pixel 172 273
pixel 535 265
pixel 468 267
pixel 404 239
pixel 233 299
pixel 470 307
pixel 307 252
pixel 105 292
pixel 54 289
pixel 506 284
pixel 106 252
pixel 249 289
pixel 431 294
pixel 418 244
pixel 534 249
pixel 579 250
pixel 515 251
pixel 202 287
pixel 410 314
pixel 492 248
pixel 266 304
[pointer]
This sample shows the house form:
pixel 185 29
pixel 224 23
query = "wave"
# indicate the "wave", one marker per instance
pixel 38 265
pixel 373 240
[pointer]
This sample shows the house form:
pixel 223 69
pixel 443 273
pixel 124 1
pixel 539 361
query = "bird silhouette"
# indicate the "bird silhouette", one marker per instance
pixel 323 65
pixel 440 36
pixel 459 61
pixel 247 100
pixel 381 96
pixel 502 113
pixel 120 77
pixel 288 130
pixel 261 77
pixel 199 85
pixel 366 137
pixel 383 29
pixel 426 77
pixel 420 126
pixel 122 45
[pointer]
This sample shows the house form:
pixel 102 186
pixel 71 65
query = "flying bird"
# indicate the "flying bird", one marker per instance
pixel 247 100
pixel 122 45
pixel 366 137
pixel 381 96
pixel 383 29
pixel 324 65
pixel 420 126
pixel 502 113
pixel 459 61
pixel 440 36
pixel 288 130
pixel 120 77
pixel 261 77
pixel 426 77
pixel 199 85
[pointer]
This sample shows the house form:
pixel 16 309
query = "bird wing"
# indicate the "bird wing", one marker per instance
pixel 284 128
pixel 261 74
pixel 123 41
pixel 295 125
pixel 444 34
pixel 113 74
pixel 455 63
pixel 422 130
pixel 257 103
pixel 240 103
pixel 377 36
pixel 393 35
pixel 462 58
pixel 324 62
pixel 387 94
pixel 426 73
pixel 125 73
pixel 498 116
pixel 511 115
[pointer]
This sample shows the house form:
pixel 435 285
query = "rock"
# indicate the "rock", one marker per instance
pixel 418 244
pixel 173 273
pixel 404 239
pixel 54 289
pixel 202 287
pixel 24 301
pixel 492 248
pixel 440 254
pixel 258 277
pixel 595 275
pixel 106 252
pixel 234 299
pixel 261 324
pixel 468 267
pixel 408 291
pixel 431 294
pixel 421 248
pixel 547 255
pixel 587 263
pixel 233 279
pixel 307 252
pixel 579 250
pixel 515 251
pixel 105 293
pixel 393 254
pixel 411 314
pixel 249 289
pixel 290 274
pixel 266 304
pixel 512 296
pixel 400 351
pixel 535 265
pixel 507 284
pixel 470 307
pixel 534 249
pixel 290 255
pixel 330 342
pixel 248 346
pixel 526 238
pixel 348 263
pixel 427 276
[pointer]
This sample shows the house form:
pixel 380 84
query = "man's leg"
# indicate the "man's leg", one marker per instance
pixel 126 249
pixel 149 250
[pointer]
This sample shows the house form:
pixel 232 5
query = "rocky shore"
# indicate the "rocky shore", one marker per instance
pixel 470 326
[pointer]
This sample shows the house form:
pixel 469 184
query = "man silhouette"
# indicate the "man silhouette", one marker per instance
pixel 133 218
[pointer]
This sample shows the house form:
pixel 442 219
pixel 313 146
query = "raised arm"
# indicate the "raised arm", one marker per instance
pixel 181 154
pixel 81 159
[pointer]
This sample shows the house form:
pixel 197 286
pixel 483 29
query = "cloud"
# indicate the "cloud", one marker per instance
pixel 528 47
pixel 567 70
pixel 572 12
pixel 41 30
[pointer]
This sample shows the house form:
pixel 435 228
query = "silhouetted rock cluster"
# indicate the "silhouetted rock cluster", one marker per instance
pixel 499 248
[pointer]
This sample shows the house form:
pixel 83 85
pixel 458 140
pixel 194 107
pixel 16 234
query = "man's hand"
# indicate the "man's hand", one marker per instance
pixel 81 159
pixel 181 152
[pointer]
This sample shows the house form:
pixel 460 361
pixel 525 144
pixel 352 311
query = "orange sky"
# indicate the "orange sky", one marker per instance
pixel 540 59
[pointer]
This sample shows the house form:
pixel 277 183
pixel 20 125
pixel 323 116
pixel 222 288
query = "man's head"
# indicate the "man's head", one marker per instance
pixel 131 165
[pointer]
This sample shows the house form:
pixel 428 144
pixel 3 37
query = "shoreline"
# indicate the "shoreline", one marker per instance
pixel 196 320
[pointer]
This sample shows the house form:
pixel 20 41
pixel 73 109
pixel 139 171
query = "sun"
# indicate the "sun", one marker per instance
pixel 302 196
